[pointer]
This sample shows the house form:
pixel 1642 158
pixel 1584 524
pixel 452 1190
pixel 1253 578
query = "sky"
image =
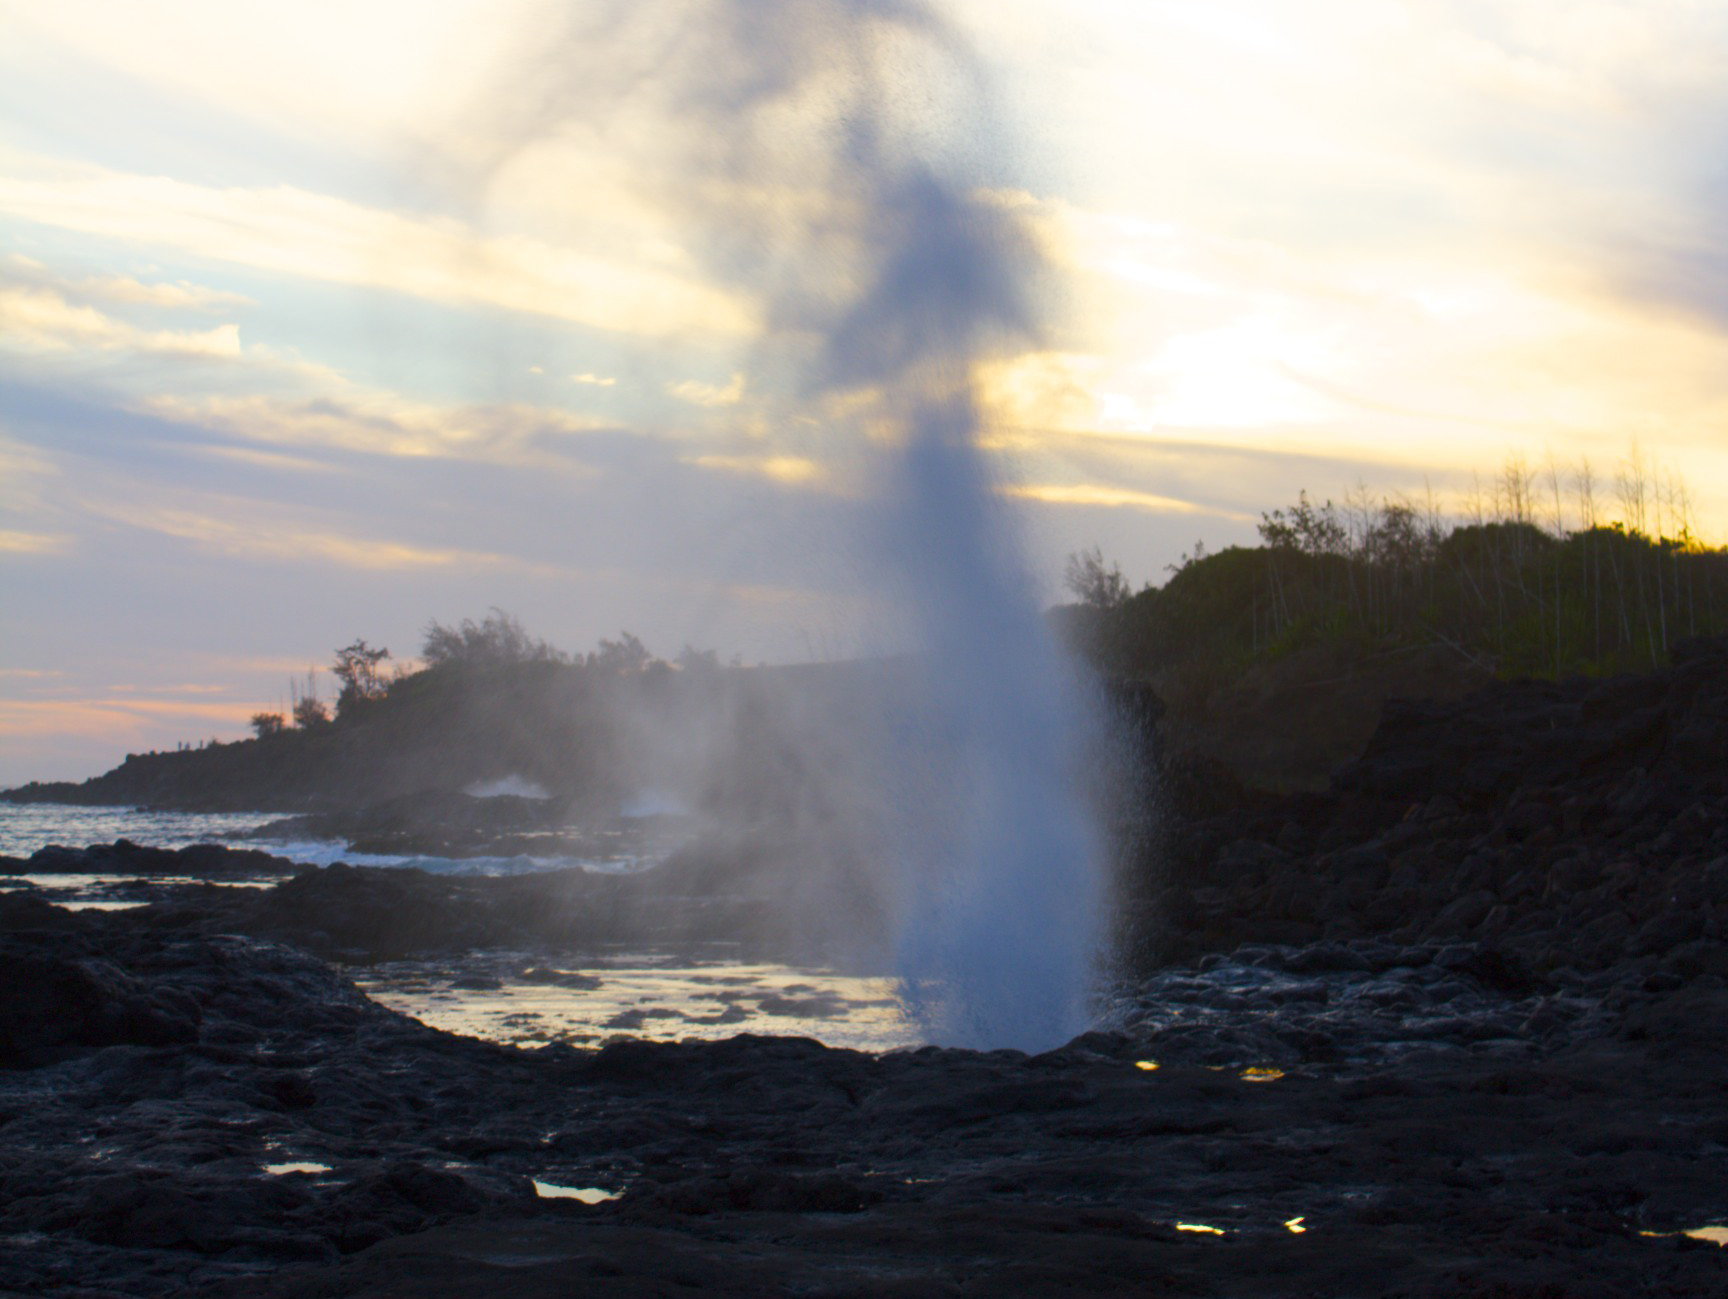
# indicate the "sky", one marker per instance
pixel 322 321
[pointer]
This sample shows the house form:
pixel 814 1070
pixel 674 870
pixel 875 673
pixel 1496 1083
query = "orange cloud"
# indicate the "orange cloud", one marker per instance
pixel 116 719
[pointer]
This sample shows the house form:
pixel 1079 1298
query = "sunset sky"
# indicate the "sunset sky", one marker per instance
pixel 313 327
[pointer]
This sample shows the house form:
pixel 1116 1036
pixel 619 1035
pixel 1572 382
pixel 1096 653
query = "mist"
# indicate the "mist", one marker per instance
pixel 831 162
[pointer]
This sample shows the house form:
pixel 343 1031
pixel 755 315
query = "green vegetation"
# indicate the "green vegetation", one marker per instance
pixel 1508 590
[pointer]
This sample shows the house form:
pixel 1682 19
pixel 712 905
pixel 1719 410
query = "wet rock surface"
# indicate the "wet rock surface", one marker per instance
pixel 1453 1029
pixel 122 857
pixel 1430 1134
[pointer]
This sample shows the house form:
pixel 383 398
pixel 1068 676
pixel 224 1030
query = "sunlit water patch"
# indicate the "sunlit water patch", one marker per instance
pixel 1712 1235
pixel 111 892
pixel 520 999
pixel 586 1194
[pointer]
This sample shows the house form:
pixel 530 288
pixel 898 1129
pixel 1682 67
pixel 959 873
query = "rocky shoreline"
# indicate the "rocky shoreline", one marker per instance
pixel 1453 1028
pixel 1457 1140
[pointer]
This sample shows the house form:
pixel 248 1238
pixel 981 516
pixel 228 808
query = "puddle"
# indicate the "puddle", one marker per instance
pixel 586 1194
pixel 1715 1235
pixel 111 892
pixel 527 1000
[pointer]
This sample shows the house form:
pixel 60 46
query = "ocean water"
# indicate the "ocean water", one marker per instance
pixel 26 827
pixel 524 998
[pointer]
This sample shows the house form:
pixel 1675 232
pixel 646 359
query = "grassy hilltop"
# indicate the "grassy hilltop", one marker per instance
pixel 1275 658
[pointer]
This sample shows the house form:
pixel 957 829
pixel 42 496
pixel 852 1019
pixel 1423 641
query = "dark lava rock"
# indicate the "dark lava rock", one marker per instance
pixel 1563 825
pixel 21 911
pixel 123 857
pixel 56 1006
pixel 135 1159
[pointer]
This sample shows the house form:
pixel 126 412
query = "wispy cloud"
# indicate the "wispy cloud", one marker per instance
pixel 377 422
pixel 34 543
pixel 698 393
pixel 116 720
pixel 784 469
pixel 180 295
pixel 272 460
pixel 1113 497
pixel 254 533
pixel 39 318
pixel 321 237
pixel 185 688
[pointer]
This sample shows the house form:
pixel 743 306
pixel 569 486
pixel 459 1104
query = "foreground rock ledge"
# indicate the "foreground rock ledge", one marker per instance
pixel 151 1079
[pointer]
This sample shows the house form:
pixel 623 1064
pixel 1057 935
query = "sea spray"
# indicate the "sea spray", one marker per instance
pixel 827 159
pixel 996 868
pixel 998 878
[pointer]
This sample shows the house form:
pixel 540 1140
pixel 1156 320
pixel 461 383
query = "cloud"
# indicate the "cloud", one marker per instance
pixel 211 379
pixel 180 295
pixel 182 689
pixel 698 393
pixel 597 380
pixel 255 532
pixel 272 460
pixel 115 720
pixel 33 543
pixel 1112 497
pixel 783 469
pixel 1433 356
pixel 322 68
pixel 314 236
pixel 375 421
pixel 41 319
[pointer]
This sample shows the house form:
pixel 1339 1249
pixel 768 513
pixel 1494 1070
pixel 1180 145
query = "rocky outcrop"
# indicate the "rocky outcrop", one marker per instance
pixel 1575 824
pixel 274 1133
pixel 123 857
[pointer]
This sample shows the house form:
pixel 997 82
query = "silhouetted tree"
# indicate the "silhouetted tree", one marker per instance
pixel 305 707
pixel 1093 583
pixel 626 654
pixel 698 661
pixel 496 641
pixel 357 667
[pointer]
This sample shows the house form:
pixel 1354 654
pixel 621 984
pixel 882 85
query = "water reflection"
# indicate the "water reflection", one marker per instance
pixel 518 999
pixel 586 1194
pixel 77 892
pixel 1715 1235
